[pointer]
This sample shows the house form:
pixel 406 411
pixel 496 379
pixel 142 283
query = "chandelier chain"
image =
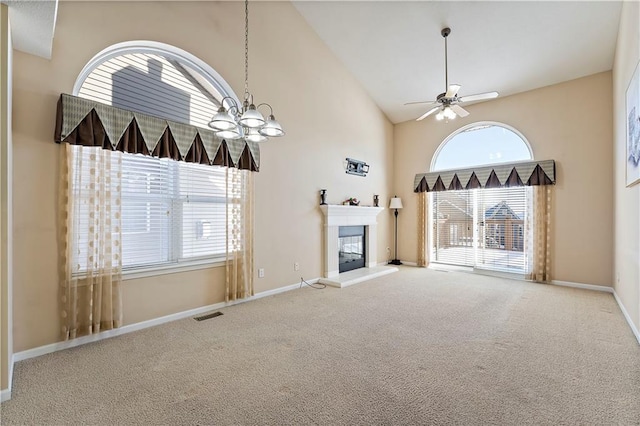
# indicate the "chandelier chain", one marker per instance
pixel 243 119
pixel 246 47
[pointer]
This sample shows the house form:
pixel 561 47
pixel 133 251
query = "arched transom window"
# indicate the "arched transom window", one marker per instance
pixel 481 144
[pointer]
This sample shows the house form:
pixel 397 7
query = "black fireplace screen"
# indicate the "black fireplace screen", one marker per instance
pixel 351 248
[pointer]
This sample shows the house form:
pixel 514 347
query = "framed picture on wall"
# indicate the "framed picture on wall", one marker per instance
pixel 633 128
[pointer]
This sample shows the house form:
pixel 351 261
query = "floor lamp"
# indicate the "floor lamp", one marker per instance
pixel 396 203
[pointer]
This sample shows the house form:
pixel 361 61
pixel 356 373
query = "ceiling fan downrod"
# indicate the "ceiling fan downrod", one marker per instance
pixel 445 33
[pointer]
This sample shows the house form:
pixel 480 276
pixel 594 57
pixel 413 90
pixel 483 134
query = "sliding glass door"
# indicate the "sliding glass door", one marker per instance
pixel 481 228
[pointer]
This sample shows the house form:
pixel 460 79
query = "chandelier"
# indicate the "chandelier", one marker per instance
pixel 245 121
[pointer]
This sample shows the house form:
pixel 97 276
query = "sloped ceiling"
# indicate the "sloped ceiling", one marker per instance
pixel 394 48
pixel 32 25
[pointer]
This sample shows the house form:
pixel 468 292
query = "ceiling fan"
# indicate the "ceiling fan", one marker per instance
pixel 447 103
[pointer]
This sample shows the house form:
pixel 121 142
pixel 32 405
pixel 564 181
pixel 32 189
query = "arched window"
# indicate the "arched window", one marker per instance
pixel 156 79
pixel 484 228
pixel 480 144
pixel 173 212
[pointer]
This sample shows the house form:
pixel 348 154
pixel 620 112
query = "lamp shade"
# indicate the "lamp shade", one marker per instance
pixel 233 133
pixel 252 118
pixel 272 128
pixel 395 203
pixel 254 136
pixel 222 120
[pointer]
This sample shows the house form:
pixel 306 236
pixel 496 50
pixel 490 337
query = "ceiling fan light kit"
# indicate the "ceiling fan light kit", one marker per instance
pixel 446 104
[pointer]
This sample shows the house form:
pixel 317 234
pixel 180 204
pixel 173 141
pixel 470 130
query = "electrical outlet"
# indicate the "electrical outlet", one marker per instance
pixel 296 266
pixel 261 273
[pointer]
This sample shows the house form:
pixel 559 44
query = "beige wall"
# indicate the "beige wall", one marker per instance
pixel 6 341
pixel 568 122
pixel 326 113
pixel 626 248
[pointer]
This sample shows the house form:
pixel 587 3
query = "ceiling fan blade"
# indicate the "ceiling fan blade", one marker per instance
pixel 428 113
pixel 421 102
pixel 452 91
pixel 459 110
pixel 478 97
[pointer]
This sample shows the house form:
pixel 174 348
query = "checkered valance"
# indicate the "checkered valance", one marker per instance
pixel 84 122
pixel 498 176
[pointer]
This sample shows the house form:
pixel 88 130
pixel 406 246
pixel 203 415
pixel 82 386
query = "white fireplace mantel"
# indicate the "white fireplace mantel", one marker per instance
pixel 339 215
pixel 336 216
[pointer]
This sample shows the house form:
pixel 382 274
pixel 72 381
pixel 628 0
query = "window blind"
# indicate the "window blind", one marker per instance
pixel 482 228
pixel 153 84
pixel 172 212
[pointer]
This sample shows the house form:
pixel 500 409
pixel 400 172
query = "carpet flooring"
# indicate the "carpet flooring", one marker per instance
pixel 414 347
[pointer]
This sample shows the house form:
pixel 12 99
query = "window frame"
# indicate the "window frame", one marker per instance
pixel 464 128
pixel 210 76
pixel 429 241
pixel 175 200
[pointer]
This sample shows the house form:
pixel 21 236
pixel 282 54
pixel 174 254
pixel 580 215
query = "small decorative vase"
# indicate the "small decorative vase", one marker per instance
pixel 375 200
pixel 323 197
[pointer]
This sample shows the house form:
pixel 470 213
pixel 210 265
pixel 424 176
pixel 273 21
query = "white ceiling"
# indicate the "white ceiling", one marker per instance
pixel 32 25
pixel 394 48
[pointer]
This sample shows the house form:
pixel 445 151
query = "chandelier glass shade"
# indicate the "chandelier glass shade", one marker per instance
pixel 236 121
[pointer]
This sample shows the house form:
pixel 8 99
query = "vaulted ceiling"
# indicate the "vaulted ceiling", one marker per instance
pixel 394 48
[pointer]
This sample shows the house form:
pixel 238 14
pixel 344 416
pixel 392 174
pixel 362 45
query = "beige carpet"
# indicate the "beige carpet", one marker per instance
pixel 414 347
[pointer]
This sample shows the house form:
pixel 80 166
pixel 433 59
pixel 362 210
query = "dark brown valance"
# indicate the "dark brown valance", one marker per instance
pixel 497 176
pixel 84 122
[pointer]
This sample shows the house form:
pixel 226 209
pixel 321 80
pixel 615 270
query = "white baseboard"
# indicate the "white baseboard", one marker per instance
pixel 604 289
pixel 634 330
pixel 58 346
pixel 5 394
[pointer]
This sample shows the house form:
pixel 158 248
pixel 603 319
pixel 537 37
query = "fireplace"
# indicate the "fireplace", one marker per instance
pixel 350 237
pixel 351 248
pixel 337 217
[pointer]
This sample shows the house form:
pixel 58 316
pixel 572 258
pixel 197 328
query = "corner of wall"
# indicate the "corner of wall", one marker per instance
pixel 6 313
pixel 626 244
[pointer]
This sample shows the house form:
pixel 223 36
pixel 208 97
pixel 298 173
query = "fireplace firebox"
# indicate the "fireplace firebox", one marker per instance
pixel 351 248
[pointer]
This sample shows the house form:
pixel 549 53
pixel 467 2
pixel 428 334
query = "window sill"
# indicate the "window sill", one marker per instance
pixel 172 269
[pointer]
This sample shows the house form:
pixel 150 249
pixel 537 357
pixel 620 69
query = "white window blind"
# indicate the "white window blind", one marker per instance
pixel 482 228
pixel 172 212
pixel 153 84
pixel 453 228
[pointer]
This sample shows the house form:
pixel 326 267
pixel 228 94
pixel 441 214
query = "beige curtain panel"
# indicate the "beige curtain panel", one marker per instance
pixel 90 210
pixel 539 234
pixel 88 123
pixel 239 266
pixel 423 220
pixel 530 173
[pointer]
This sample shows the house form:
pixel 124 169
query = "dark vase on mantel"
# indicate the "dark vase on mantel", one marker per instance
pixel 323 197
pixel 375 201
